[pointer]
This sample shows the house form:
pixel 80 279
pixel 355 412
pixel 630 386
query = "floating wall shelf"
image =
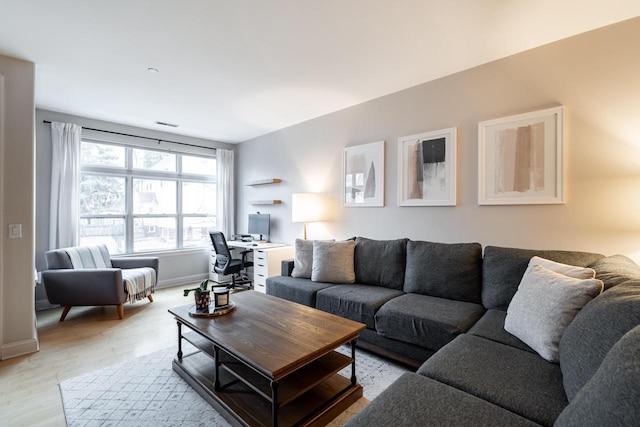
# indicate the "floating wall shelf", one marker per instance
pixel 265 181
pixel 266 202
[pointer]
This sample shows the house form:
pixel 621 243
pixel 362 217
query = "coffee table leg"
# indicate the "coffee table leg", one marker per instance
pixel 179 340
pixel 274 403
pixel 216 361
pixel 353 363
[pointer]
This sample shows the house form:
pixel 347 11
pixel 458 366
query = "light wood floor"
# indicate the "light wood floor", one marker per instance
pixel 90 338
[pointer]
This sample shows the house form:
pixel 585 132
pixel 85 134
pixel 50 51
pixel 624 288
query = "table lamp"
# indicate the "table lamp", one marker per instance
pixel 308 207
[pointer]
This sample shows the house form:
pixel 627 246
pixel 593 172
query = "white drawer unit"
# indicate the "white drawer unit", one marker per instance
pixel 267 263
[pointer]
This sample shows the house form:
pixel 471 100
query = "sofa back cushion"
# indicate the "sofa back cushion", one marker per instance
pixel 615 269
pixel 452 271
pixel 503 268
pixel 611 396
pixel 594 331
pixel 380 262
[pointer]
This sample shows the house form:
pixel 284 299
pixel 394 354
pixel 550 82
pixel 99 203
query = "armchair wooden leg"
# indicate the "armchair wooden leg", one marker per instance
pixel 65 311
pixel 121 311
pixel 150 298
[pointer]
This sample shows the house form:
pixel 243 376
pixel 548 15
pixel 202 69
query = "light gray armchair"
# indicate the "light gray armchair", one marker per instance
pixel 87 275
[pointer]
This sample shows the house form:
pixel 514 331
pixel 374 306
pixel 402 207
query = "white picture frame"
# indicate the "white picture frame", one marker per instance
pixel 521 159
pixel 427 173
pixel 363 175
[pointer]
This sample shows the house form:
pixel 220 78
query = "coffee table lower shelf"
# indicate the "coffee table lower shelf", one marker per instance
pixel 242 406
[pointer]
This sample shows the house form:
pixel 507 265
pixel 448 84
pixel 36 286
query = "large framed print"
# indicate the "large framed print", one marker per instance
pixel 363 175
pixel 521 159
pixel 427 168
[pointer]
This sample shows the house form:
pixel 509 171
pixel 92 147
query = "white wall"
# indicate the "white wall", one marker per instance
pixel 176 267
pixel 17 111
pixel 594 75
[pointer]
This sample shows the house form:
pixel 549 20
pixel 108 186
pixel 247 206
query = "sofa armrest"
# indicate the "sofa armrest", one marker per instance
pixel 286 267
pixel 100 286
pixel 136 262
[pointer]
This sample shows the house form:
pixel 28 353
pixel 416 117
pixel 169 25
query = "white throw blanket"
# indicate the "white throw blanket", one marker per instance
pixel 140 282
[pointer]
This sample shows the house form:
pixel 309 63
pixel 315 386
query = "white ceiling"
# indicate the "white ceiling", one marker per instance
pixel 231 70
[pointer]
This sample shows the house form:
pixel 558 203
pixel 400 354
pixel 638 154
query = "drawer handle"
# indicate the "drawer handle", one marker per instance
pixel 261 275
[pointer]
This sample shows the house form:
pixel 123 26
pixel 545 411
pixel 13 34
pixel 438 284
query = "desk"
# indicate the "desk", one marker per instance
pixel 267 260
pixel 254 246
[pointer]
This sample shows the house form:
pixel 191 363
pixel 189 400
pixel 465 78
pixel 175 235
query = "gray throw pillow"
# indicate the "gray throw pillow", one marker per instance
pixel 333 262
pixel 303 258
pixel 544 305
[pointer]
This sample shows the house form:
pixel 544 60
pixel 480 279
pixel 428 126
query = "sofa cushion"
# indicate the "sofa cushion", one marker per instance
pixel 452 271
pixel 615 269
pixel 491 327
pixel 544 305
pixel 612 395
pixel 355 302
pixel 414 400
pixel 302 291
pixel 380 262
pixel 333 261
pixel 517 380
pixel 428 322
pixel 595 330
pixel 502 270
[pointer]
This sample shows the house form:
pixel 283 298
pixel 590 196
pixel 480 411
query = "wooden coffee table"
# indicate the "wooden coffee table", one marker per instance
pixel 270 361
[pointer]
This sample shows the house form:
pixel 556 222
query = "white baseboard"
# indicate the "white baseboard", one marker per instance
pixel 19 348
pixel 184 280
pixel 44 304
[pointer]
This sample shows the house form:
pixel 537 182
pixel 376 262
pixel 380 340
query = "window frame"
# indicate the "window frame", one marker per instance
pixel 130 174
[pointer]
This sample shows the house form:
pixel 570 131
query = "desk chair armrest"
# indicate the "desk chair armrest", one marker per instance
pixel 286 267
pixel 136 262
pixel 69 287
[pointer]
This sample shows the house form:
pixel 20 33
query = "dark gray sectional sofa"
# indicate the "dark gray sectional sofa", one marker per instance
pixel 442 308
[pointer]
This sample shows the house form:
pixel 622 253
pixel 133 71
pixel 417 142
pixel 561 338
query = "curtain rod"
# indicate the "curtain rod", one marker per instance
pixel 138 136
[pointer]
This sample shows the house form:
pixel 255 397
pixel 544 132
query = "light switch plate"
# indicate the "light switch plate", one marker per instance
pixel 15 231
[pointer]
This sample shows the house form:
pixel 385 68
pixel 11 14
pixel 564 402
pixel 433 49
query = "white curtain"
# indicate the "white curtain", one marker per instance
pixel 225 216
pixel 65 183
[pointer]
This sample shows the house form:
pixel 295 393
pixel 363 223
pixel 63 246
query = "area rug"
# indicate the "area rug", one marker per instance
pixel 146 392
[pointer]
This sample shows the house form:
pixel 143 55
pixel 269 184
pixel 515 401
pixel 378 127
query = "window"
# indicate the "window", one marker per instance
pixel 139 200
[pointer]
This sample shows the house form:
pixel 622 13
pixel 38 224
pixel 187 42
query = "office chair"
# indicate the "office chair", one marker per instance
pixel 226 264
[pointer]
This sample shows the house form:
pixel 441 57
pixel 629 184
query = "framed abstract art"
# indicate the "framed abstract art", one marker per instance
pixel 363 175
pixel 521 159
pixel 427 168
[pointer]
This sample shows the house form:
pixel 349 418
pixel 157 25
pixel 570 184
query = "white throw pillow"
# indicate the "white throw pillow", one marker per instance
pixel 303 258
pixel 567 270
pixel 333 262
pixel 544 305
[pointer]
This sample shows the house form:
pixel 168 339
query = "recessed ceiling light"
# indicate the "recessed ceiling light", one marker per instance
pixel 152 70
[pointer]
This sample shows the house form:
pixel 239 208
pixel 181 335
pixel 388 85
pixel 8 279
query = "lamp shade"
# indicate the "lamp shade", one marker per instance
pixel 308 207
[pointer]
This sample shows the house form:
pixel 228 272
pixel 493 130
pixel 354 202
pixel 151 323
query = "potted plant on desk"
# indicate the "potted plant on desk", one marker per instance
pixel 202 295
